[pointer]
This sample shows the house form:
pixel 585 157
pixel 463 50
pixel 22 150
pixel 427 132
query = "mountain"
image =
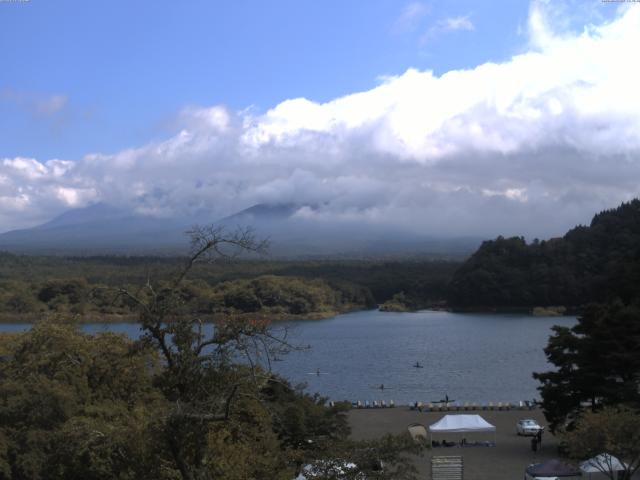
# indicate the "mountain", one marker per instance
pixel 98 228
pixel 293 232
pixel 102 228
pixel 591 263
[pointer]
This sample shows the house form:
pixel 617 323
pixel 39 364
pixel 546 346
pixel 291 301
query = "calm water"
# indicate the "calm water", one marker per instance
pixel 469 357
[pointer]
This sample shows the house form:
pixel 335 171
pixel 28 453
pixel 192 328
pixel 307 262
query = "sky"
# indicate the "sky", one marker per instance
pixel 447 118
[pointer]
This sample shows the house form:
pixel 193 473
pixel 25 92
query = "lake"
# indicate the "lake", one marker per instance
pixel 469 357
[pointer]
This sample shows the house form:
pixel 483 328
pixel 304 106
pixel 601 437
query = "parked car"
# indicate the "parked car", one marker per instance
pixel 528 426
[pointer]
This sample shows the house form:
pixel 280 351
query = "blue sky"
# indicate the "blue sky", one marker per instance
pixel 477 118
pixel 126 68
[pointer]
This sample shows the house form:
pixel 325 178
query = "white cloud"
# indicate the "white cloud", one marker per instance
pixel 410 17
pixel 35 104
pixel 447 25
pixel 75 197
pixel 51 105
pixel 456 23
pixel 529 146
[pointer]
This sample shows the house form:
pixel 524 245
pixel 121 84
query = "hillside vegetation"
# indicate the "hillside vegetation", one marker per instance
pixel 275 297
pixel 592 263
pixel 31 286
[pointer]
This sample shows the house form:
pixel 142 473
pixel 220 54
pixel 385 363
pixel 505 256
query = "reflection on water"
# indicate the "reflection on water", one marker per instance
pixel 469 357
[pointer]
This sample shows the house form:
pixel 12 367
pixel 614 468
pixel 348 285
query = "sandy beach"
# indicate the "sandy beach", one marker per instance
pixel 506 461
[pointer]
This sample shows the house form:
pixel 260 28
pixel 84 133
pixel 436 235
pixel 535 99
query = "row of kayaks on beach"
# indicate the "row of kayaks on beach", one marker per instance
pixel 374 404
pixel 453 406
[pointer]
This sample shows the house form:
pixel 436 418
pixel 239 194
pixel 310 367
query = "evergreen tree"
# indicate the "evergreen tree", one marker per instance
pixel 598 363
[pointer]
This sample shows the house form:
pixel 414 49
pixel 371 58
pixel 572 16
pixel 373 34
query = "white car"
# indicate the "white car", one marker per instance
pixel 528 427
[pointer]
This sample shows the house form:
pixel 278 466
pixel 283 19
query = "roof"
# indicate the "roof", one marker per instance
pixel 553 468
pixel 462 423
pixel 602 463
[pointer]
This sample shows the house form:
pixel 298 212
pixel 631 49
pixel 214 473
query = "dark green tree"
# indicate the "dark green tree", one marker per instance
pixel 595 263
pixel 597 363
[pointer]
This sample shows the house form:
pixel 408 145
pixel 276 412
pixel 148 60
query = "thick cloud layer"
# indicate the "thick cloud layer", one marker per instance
pixel 531 146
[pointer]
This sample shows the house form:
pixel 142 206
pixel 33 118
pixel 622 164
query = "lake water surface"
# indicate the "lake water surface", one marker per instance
pixel 469 357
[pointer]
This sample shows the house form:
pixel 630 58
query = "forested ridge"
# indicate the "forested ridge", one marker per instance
pixel 592 263
pixel 31 286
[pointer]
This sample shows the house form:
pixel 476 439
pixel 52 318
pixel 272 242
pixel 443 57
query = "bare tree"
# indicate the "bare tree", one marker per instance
pixel 216 378
pixel 204 372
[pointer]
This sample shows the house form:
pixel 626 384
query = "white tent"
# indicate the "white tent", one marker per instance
pixel 461 424
pixel 596 467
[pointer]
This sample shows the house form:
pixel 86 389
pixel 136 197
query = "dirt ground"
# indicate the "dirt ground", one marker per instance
pixel 506 461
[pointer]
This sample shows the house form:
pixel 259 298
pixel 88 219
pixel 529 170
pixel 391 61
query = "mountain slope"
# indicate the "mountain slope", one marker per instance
pixel 98 228
pixel 594 263
pixel 103 228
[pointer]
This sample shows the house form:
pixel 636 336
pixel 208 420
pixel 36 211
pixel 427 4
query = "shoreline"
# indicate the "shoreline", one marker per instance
pixel 93 317
pixel 504 461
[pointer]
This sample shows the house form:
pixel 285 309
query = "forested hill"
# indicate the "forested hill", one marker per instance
pixel 588 264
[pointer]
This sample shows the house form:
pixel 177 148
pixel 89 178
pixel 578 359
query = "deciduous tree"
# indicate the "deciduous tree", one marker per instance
pixel 614 433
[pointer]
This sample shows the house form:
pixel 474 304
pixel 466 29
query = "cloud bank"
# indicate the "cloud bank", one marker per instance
pixel 530 146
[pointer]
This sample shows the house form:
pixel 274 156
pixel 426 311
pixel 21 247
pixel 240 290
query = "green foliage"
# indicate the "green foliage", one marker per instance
pixel 30 286
pixel 597 363
pixel 226 418
pixel 614 432
pixel 275 295
pixel 75 406
pixel 178 403
pixel 402 302
pixel 595 263
pixel 302 421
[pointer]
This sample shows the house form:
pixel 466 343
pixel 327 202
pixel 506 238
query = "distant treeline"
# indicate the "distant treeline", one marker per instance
pixel 594 263
pixel 87 286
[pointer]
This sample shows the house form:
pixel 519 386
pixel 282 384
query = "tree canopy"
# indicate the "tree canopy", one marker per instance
pixel 589 264
pixel 611 435
pixel 597 363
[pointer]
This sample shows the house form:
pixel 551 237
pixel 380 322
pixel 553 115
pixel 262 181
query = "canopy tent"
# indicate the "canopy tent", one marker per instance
pixel 552 469
pixel 598 466
pixel 461 424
